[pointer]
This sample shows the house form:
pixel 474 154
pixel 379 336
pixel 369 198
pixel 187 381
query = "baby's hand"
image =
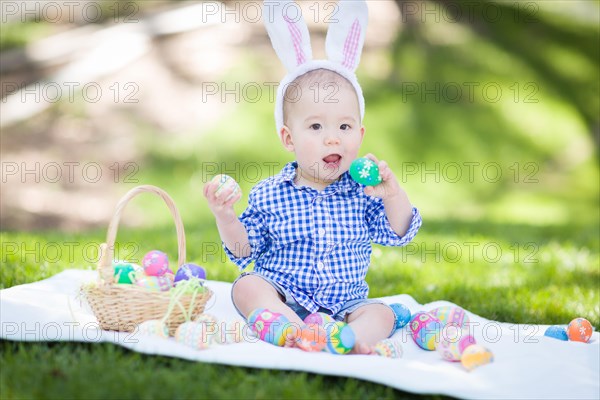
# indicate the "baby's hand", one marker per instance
pixel 389 186
pixel 221 205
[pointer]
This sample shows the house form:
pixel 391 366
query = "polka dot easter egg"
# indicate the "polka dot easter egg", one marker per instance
pixel 271 327
pixel 557 332
pixel 453 342
pixel 475 356
pixel 187 271
pixel 402 314
pixel 425 330
pixel 580 330
pixel 340 338
pixel 225 182
pixel 365 172
pixel 155 263
pixel 451 315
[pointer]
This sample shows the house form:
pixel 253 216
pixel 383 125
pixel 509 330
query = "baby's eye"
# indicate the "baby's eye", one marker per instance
pixel 344 127
pixel 315 127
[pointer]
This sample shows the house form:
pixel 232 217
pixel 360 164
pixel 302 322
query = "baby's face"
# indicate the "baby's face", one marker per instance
pixel 324 130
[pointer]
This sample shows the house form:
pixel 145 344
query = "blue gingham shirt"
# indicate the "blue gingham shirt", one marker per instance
pixel 316 244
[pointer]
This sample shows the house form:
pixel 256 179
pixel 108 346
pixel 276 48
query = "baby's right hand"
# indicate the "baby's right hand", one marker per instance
pixel 221 205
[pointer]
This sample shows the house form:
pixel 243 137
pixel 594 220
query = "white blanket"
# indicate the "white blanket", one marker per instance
pixel 526 365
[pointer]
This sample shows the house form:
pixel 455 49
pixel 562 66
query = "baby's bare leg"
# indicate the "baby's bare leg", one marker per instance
pixel 251 292
pixel 370 323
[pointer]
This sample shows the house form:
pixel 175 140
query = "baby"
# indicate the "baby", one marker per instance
pixel 309 228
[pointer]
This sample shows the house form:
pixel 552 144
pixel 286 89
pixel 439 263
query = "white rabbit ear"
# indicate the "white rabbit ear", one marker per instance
pixel 346 33
pixel 288 32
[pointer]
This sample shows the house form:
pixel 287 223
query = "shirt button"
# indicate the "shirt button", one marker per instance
pixel 321 232
pixel 252 232
pixel 318 199
pixel 320 265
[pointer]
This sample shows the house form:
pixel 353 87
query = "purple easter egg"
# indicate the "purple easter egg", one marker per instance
pixel 187 271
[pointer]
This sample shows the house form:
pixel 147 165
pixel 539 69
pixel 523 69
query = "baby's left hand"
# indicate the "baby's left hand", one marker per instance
pixel 389 186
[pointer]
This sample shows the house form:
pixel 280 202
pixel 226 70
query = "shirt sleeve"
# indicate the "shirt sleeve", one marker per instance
pixel 381 231
pixel 257 234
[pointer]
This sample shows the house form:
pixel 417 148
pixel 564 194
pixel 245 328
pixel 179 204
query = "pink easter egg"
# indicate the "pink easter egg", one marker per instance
pixel 155 263
pixel 425 330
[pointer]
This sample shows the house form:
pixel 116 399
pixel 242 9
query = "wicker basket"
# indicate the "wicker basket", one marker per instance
pixel 121 307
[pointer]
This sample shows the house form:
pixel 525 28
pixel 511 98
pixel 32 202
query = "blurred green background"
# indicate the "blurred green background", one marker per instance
pixel 488 112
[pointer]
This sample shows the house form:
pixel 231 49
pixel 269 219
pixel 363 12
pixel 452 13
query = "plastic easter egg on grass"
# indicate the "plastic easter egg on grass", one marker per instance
pixel 425 330
pixel 402 314
pixel 475 356
pixel 580 330
pixel 318 318
pixel 154 327
pixel 187 271
pixel 271 327
pixel 225 182
pixel 365 172
pixel 453 342
pixel 312 337
pixel 197 335
pixel 155 263
pixel 451 315
pixel 340 338
pixel 557 332
pixel 124 273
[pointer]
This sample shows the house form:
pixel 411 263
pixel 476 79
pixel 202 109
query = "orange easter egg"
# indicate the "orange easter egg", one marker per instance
pixel 580 330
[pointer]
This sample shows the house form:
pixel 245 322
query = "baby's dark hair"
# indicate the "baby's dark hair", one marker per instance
pixel 301 86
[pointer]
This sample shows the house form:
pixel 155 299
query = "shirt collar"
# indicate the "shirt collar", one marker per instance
pixel 344 184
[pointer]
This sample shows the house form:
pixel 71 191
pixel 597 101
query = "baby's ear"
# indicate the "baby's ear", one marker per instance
pixel 346 33
pixel 288 32
pixel 285 135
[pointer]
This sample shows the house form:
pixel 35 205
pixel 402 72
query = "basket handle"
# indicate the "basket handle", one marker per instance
pixel 107 249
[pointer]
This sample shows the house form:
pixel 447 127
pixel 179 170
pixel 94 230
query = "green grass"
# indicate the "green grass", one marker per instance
pixel 551 278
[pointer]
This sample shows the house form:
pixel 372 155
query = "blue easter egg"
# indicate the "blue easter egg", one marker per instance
pixel 403 314
pixel 557 332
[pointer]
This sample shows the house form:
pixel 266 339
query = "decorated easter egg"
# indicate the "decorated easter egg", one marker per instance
pixel 425 330
pixel 124 273
pixel 365 171
pixel 402 314
pixel 318 318
pixel 453 342
pixel 271 327
pixel 162 283
pixel 311 337
pixel 186 271
pixel 155 263
pixel 340 338
pixel 388 348
pixel 154 327
pixel 476 355
pixel 208 318
pixel 225 182
pixel 198 335
pixel 557 332
pixel 580 330
pixel 451 315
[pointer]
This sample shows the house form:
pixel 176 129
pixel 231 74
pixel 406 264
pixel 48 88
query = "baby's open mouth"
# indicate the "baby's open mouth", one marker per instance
pixel 332 161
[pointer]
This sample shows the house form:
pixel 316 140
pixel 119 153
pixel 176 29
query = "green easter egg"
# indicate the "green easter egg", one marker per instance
pixel 124 273
pixel 365 171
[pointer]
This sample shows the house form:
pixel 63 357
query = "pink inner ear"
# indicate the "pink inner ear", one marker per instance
pixel 351 46
pixel 296 40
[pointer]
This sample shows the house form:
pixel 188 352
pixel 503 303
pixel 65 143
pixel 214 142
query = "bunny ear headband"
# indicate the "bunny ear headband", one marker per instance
pixel 289 36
